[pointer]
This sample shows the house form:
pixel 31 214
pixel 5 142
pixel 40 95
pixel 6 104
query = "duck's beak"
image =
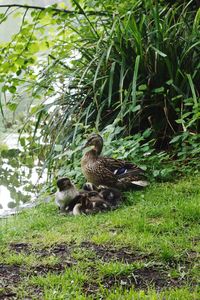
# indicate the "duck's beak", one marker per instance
pixel 85 146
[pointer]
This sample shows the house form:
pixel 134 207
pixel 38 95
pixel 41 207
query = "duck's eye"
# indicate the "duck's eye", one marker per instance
pixel 93 141
pixel 67 182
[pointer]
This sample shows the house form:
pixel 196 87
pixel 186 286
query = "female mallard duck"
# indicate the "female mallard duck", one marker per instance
pixel 106 171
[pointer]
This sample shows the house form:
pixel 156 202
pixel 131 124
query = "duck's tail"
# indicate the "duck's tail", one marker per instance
pixel 131 180
pixel 142 183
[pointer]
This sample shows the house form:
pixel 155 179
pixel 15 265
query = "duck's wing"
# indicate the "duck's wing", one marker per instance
pixel 125 174
pixel 120 167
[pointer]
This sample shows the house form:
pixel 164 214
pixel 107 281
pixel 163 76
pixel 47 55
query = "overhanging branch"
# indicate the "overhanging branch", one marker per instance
pixel 70 12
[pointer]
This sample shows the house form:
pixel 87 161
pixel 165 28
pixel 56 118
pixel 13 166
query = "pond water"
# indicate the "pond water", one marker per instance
pixel 19 183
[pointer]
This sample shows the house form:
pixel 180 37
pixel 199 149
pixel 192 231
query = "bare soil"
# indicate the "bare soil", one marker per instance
pixel 141 279
pixel 155 275
pixel 124 254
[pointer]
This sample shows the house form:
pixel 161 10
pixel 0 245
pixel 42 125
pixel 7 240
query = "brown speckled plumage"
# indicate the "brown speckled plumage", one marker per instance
pixel 107 171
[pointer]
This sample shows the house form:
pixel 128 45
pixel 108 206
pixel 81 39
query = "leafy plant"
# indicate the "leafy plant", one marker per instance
pixel 134 69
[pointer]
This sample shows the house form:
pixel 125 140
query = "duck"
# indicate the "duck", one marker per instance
pixel 82 205
pixel 111 195
pixel 89 203
pixel 109 172
pixel 66 192
pixel 71 200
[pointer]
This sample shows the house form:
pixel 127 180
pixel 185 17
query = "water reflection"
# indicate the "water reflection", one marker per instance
pixel 19 181
pixel 5 197
pixel 11 140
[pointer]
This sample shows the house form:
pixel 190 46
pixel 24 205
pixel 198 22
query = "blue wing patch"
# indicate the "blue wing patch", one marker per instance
pixel 120 171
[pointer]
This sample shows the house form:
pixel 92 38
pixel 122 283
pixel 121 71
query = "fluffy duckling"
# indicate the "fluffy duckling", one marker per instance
pixel 69 199
pixel 82 205
pixel 89 203
pixel 89 187
pixel 111 195
pixel 65 194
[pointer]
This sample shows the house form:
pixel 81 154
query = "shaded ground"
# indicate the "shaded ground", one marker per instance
pixel 156 275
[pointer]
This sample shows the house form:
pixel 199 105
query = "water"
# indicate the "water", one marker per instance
pixel 19 183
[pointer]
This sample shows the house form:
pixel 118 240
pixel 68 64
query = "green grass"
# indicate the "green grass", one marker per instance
pixel 155 231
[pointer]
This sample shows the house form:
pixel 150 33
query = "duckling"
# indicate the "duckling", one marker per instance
pixel 89 187
pixel 106 171
pixel 82 205
pixel 89 204
pixel 66 192
pixel 111 195
pixel 69 199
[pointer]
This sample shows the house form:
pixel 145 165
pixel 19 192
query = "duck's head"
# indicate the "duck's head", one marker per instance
pixel 96 141
pixel 89 187
pixel 64 184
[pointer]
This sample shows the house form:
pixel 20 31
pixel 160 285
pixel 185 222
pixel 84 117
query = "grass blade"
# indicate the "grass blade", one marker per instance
pixel 111 83
pixel 135 75
pixel 193 90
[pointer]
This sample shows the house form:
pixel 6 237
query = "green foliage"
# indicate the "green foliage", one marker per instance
pixel 132 65
pixel 183 157
pixel 186 145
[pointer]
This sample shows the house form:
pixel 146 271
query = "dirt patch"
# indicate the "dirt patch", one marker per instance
pixel 62 251
pixel 7 294
pixel 143 279
pixel 105 253
pixel 140 279
pixel 195 240
pixel 124 254
pixel 20 247
pixel 59 249
pixel 10 276
pixel 192 256
pixel 44 269
pixel 154 276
